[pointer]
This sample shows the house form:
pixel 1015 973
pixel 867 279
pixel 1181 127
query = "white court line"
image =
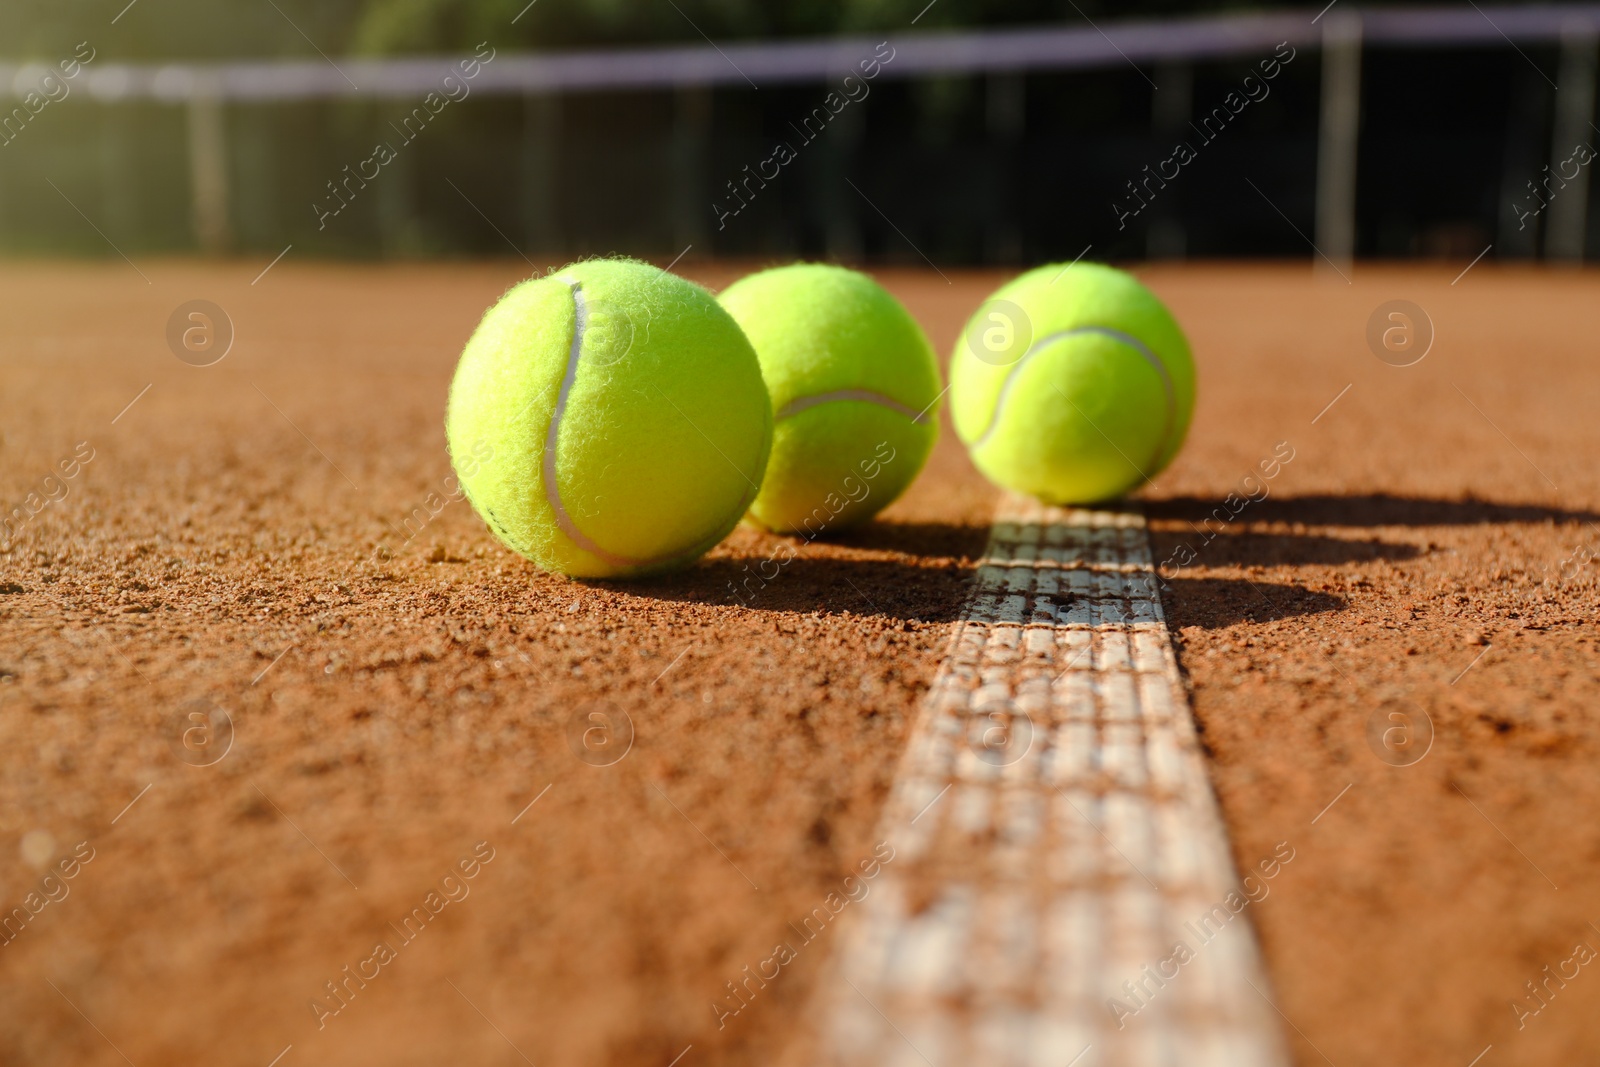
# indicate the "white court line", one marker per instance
pixel 1013 913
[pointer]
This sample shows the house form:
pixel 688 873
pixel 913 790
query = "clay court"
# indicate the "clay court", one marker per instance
pixel 272 536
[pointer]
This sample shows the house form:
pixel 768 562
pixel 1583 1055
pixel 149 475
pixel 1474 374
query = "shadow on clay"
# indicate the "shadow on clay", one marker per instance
pixel 1215 603
pixel 923 574
pixel 1181 539
pixel 1246 548
pixel 1368 509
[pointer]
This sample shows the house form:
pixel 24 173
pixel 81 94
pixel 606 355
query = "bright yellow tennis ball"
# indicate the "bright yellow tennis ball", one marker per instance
pixel 1073 384
pixel 855 393
pixel 609 420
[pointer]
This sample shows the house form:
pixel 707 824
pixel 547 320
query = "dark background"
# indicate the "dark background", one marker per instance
pixel 971 169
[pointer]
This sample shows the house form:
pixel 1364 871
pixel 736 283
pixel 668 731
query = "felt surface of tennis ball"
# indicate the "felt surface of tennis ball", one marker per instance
pixel 1073 384
pixel 609 420
pixel 855 389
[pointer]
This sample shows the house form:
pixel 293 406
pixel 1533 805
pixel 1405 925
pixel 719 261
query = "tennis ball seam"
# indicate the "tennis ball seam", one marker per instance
pixel 1169 392
pixel 552 490
pixel 802 403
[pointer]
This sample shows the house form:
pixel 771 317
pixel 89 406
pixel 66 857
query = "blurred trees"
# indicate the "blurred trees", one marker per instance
pixel 177 29
pixel 209 29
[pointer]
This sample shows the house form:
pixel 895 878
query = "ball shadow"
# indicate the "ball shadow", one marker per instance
pixel 921 572
pixel 913 572
pixel 929 591
pixel 1246 548
pixel 934 539
pixel 1368 509
pixel 1215 603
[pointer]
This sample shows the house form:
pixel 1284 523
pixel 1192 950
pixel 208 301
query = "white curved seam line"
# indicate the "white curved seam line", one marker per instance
pixel 1116 335
pixel 552 491
pixel 803 403
pixel 1050 339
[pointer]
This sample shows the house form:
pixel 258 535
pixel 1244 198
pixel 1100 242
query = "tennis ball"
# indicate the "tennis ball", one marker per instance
pixel 1072 384
pixel 855 391
pixel 609 420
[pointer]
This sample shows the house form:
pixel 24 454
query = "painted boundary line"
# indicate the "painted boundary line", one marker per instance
pixel 1021 900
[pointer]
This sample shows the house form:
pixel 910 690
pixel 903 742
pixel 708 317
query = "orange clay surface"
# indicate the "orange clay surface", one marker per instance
pixel 237 540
